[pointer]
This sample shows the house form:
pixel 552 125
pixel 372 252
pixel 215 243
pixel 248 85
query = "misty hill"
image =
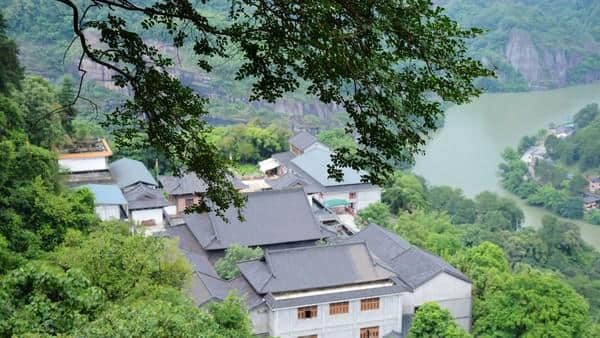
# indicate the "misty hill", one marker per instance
pixel 534 44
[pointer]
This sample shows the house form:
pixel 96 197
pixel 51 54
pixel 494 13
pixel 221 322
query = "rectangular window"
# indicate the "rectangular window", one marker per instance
pixel 307 312
pixel 352 195
pixel 309 336
pixel 189 202
pixel 369 304
pixel 338 308
pixel 369 332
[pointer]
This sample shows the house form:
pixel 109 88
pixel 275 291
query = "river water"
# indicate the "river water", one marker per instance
pixel 466 152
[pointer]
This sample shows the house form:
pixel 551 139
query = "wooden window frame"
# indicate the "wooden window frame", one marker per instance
pixel 369 304
pixel 369 332
pixel 313 312
pixel 339 308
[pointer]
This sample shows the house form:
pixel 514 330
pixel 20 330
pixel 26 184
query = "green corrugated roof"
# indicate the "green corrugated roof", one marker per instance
pixel 336 202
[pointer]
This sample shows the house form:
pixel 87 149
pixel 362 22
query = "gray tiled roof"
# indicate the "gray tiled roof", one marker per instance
pixel 141 196
pixel 106 194
pixel 315 162
pixel 288 180
pixel 271 217
pixel 128 172
pixel 412 265
pixel 302 140
pixel 312 185
pixel 314 267
pixel 189 184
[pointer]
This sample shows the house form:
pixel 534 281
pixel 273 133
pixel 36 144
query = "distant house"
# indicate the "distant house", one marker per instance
pixel 594 184
pixel 533 154
pixel 128 172
pixel 310 171
pixel 186 190
pixel 86 162
pixel 563 131
pixel 109 201
pixel 146 205
pixel 590 202
pixel 303 142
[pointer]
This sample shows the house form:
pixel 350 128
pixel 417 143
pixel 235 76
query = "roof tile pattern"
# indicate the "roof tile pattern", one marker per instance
pixel 314 267
pixel 412 265
pixel 128 172
pixel 271 217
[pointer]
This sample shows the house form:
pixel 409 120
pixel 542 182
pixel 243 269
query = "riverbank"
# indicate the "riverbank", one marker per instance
pixel 466 152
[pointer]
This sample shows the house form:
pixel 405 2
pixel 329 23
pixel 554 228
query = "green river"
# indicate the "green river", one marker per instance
pixel 466 152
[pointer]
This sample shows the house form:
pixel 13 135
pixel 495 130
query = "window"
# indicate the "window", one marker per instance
pixel 338 308
pixel 352 195
pixel 309 336
pixel 189 202
pixel 369 304
pixel 369 332
pixel 307 312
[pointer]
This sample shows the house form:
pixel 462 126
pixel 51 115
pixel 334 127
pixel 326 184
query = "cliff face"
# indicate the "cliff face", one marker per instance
pixel 543 67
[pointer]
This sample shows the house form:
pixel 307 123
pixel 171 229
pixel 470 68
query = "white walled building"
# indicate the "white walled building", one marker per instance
pixel 309 170
pixel 86 162
pixel 343 292
pixel 146 206
pixel 109 201
pixel 85 156
pixel 367 285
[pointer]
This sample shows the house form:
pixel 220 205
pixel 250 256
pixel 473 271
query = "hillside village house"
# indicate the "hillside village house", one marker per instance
pixel 86 162
pixel 309 170
pixel 533 154
pixel 187 190
pixel 127 172
pixel 366 285
pixel 109 201
pixel 146 206
pixel 306 167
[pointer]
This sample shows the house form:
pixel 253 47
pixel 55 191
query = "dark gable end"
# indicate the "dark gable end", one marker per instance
pixel 413 265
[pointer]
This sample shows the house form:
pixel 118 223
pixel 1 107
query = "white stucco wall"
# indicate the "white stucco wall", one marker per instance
pixel 141 215
pixel 260 319
pixel 75 165
pixel 367 197
pixel 285 323
pixel 108 211
pixel 362 200
pixel 449 292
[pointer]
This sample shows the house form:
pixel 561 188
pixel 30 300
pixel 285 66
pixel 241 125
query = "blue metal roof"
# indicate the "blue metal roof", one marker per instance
pixel 314 163
pixel 128 172
pixel 106 193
